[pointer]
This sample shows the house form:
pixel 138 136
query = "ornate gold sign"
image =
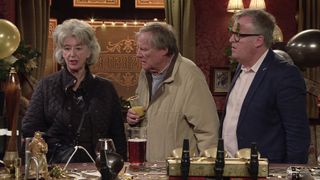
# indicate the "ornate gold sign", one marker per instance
pixel 97 3
pixel 150 4
pixel 118 60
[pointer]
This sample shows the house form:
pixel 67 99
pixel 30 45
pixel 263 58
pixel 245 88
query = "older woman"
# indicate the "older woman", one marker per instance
pixel 72 106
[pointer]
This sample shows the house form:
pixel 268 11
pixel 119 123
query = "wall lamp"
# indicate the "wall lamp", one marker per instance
pixel 237 5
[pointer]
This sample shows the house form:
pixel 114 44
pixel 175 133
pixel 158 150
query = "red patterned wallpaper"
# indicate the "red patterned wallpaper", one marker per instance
pixel 7 10
pixel 212 21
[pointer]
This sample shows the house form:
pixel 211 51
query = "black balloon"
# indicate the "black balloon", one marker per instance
pixel 304 48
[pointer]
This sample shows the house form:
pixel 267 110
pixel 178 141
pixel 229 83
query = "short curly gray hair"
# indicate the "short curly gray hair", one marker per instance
pixel 80 30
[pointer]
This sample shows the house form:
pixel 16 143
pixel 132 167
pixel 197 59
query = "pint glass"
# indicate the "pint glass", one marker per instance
pixel 137 142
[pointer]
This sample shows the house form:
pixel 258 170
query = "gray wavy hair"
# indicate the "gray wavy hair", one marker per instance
pixel 163 36
pixel 80 30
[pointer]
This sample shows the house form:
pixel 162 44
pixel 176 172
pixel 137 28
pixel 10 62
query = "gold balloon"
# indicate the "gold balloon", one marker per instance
pixel 9 38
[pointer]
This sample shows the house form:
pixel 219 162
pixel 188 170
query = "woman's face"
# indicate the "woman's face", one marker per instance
pixel 75 54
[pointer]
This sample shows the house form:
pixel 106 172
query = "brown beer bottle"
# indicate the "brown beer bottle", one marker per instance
pixel 12 98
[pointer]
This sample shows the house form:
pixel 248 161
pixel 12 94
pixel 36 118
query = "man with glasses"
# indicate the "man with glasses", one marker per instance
pixel 267 100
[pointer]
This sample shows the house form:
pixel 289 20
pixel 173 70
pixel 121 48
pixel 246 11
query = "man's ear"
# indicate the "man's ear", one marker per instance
pixel 165 51
pixel 259 41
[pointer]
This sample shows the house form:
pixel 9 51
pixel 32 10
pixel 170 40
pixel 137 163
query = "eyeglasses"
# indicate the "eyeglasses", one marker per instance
pixel 237 36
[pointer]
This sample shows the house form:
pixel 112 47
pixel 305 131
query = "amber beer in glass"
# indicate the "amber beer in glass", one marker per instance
pixel 137 143
pixel 137 106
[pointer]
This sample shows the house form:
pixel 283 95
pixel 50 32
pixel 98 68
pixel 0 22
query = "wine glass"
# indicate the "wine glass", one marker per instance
pixel 109 159
pixel 105 144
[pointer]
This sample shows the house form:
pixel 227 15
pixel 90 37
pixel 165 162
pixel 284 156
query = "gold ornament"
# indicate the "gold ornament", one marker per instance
pixel 38 149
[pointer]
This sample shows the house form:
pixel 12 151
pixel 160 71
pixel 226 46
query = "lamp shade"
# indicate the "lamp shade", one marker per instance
pixel 234 5
pixel 257 4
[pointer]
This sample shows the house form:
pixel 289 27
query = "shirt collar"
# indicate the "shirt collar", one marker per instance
pixel 69 80
pixel 164 70
pixel 256 66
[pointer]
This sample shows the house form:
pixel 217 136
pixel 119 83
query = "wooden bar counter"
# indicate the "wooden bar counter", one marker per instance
pixel 158 171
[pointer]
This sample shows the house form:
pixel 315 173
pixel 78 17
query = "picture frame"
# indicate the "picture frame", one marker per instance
pixel 149 4
pixel 97 3
pixel 220 80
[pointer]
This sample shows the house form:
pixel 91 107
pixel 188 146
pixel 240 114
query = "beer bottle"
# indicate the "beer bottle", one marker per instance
pixel 12 98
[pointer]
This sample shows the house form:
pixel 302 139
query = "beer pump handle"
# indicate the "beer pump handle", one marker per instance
pixel 254 161
pixel 219 164
pixel 185 160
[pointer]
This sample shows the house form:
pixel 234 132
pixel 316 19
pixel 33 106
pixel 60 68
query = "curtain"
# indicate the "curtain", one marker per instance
pixel 309 18
pixel 180 14
pixel 33 23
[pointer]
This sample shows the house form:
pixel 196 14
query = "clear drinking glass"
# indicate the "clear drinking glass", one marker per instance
pixel 27 154
pixel 105 144
pixel 136 105
pixel 137 143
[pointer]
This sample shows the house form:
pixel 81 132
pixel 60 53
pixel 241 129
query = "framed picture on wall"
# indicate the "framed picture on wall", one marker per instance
pixel 220 80
pixel 97 3
pixel 152 4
